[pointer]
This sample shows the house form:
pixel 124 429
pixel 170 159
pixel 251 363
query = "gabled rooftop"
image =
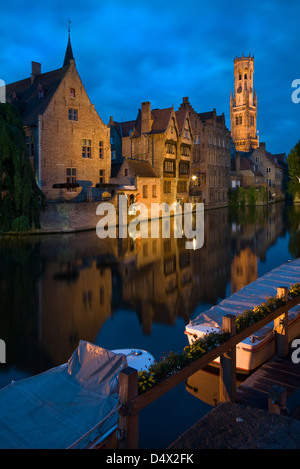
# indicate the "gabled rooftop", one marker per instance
pixel 32 95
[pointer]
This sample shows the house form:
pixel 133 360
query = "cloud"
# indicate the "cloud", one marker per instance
pixel 127 53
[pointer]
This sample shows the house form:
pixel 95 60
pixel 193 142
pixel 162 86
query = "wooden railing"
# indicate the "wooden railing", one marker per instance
pixel 132 403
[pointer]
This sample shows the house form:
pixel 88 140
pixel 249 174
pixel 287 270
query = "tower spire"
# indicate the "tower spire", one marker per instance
pixel 69 58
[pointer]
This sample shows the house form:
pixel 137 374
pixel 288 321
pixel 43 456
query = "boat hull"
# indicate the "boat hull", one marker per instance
pixel 252 352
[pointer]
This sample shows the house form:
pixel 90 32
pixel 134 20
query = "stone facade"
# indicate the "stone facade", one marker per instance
pixel 164 138
pixel 243 105
pixel 210 157
pixel 139 182
pixel 67 141
pixel 274 170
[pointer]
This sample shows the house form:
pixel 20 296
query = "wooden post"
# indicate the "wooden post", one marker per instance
pixel 281 327
pixel 128 437
pixel 227 377
pixel 277 400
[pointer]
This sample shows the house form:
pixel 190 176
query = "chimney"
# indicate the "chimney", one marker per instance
pixel 35 70
pixel 146 117
pixel 262 145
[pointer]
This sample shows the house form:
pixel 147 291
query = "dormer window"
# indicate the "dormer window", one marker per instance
pixel 41 91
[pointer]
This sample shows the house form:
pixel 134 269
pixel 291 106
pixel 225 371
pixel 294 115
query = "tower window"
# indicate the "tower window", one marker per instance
pixel 239 120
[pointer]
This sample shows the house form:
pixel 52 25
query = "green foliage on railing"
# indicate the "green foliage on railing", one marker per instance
pixel 173 362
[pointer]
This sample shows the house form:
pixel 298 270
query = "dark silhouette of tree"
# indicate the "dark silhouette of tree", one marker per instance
pixel 294 171
pixel 20 196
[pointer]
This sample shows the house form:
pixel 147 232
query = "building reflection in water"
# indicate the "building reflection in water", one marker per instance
pixel 58 289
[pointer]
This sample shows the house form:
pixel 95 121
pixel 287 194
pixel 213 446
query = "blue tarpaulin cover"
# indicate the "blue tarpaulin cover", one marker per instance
pixel 54 409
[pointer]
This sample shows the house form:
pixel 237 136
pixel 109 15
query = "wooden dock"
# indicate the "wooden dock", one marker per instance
pixel 281 372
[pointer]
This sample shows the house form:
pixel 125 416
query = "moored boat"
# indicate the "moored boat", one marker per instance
pixel 259 347
pixel 74 405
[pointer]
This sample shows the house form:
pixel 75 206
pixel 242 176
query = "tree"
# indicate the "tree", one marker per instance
pixel 20 196
pixel 294 171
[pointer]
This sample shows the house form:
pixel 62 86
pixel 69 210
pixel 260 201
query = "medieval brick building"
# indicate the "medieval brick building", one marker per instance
pixel 68 143
pixel 210 165
pixel 163 138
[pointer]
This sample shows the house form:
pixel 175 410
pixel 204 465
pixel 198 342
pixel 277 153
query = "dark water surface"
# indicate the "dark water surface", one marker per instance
pixel 124 293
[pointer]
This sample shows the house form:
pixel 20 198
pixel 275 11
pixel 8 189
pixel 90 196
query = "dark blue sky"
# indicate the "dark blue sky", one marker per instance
pixel 161 51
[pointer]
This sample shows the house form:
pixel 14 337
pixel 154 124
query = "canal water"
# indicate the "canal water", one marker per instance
pixel 135 292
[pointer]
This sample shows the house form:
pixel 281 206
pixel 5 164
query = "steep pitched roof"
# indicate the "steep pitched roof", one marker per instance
pixel 161 119
pixel 247 165
pixel 181 117
pixel 25 95
pixel 277 160
pixel 69 54
pixel 141 168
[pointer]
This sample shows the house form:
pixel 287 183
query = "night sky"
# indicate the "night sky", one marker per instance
pixel 162 51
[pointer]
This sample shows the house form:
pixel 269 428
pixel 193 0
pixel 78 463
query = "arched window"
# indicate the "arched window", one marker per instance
pixel 245 73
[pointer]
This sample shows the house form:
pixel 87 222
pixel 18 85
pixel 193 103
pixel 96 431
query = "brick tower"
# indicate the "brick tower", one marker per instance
pixel 243 105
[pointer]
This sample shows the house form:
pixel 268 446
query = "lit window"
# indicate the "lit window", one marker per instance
pixel 86 148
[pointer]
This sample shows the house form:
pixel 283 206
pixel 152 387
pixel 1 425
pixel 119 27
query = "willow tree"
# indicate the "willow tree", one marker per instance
pixel 294 172
pixel 20 196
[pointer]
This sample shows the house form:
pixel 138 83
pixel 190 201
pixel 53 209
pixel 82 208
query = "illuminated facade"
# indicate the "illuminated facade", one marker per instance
pixel 243 106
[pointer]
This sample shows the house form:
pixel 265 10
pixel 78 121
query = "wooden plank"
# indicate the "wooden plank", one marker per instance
pixel 128 424
pixel 227 372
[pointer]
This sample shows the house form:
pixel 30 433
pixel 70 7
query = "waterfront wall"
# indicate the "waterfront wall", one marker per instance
pixel 68 217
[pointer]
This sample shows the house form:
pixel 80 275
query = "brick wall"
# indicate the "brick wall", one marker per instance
pixel 61 140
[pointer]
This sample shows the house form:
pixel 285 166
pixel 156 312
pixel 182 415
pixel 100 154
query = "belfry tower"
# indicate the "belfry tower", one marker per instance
pixel 243 106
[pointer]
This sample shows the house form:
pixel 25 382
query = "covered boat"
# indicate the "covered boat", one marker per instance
pixel 259 347
pixel 74 405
